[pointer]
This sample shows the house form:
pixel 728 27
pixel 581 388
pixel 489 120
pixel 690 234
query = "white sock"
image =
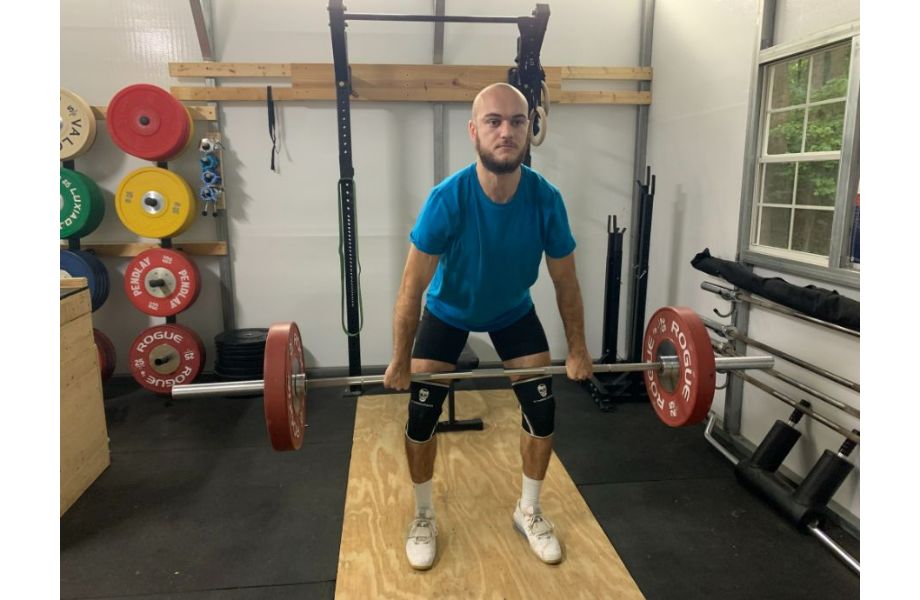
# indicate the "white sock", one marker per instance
pixel 530 492
pixel 423 497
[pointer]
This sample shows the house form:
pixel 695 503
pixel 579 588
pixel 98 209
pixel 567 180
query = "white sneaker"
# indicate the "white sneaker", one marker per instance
pixel 420 540
pixel 539 532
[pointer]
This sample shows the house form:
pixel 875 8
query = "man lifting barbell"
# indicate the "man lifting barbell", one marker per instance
pixel 478 242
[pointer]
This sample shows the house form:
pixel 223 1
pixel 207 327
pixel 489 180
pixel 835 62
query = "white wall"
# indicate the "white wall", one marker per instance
pixel 284 226
pixel 703 55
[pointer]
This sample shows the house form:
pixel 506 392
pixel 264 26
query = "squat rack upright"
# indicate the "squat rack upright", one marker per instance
pixel 527 76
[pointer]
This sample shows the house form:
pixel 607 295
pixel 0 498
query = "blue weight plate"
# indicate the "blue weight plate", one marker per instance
pixel 102 276
pixel 73 264
pixel 99 291
pixel 83 264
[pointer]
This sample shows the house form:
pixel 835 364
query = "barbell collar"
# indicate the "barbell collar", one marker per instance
pixel 667 363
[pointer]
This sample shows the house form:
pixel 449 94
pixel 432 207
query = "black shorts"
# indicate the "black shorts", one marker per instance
pixel 436 340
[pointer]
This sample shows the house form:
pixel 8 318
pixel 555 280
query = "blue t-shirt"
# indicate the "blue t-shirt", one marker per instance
pixel 489 253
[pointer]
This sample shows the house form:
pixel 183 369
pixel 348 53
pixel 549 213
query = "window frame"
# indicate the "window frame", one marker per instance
pixel 836 268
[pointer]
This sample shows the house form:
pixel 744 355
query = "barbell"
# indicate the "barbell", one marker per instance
pixel 680 371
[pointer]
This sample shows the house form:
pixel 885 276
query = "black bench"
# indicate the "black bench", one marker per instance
pixel 467 362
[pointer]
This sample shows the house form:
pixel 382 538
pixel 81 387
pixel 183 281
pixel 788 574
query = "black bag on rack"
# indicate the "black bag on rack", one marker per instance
pixel 811 300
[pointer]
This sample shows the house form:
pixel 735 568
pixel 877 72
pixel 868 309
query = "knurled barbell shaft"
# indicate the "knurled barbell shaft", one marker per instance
pixel 244 388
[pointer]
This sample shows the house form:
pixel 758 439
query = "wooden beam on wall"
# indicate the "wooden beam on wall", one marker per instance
pixel 398 83
pixel 131 249
pixel 199 113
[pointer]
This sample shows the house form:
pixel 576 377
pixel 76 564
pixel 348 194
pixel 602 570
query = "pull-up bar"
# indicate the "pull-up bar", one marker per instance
pixel 429 18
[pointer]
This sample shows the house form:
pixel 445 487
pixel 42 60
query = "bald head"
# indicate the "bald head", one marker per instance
pixel 498 91
pixel 499 128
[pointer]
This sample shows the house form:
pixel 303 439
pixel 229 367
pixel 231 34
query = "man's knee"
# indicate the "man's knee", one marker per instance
pixel 538 406
pixel 425 401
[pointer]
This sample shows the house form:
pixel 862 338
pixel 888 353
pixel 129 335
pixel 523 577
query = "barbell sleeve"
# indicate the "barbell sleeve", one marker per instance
pixel 228 388
pixel 244 388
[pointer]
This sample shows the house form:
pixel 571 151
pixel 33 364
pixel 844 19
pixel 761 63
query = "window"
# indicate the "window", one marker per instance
pixel 802 209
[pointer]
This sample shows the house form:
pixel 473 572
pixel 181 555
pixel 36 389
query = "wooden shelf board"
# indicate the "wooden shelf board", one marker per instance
pixel 130 249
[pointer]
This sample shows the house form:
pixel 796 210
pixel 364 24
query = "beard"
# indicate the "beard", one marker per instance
pixel 497 166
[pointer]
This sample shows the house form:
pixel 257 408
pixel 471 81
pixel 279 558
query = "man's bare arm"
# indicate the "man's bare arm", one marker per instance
pixel 417 274
pixel 571 309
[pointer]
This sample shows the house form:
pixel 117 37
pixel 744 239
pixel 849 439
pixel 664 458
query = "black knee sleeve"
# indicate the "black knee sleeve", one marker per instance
pixel 538 407
pixel 425 401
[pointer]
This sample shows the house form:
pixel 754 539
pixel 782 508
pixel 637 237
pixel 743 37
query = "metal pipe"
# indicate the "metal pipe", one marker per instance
pixel 242 388
pixel 808 411
pixel 707 433
pixel 726 348
pixel 737 295
pixel 440 120
pixel 640 156
pixel 730 332
pixel 810 390
pixel 834 547
pixel 429 18
pixel 201 28
pixel 779 308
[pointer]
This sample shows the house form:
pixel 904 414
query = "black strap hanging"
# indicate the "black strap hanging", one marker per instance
pixel 271 127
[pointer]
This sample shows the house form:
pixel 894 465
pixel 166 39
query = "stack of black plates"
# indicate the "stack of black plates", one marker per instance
pixel 240 353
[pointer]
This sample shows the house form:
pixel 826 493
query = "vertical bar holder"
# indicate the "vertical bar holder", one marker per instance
pixel 347 209
pixel 647 195
pixel 596 384
pixel 630 386
pixel 612 284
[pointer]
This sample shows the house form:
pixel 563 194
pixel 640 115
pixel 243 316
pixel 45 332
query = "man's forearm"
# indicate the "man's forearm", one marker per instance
pixel 571 309
pixel 405 322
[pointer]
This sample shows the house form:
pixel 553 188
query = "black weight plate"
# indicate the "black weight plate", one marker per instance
pixel 240 356
pixel 240 337
pixel 239 360
pixel 241 373
pixel 232 369
pixel 250 364
pixel 244 348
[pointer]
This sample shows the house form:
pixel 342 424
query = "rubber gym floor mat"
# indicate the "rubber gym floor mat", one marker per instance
pixel 307 591
pixel 187 506
pixel 138 420
pixel 710 538
pixel 628 443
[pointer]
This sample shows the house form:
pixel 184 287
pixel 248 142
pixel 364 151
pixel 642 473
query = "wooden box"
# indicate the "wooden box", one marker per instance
pixel 84 438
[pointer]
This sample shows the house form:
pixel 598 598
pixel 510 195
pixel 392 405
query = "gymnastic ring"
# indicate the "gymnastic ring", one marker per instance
pixel 538 113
